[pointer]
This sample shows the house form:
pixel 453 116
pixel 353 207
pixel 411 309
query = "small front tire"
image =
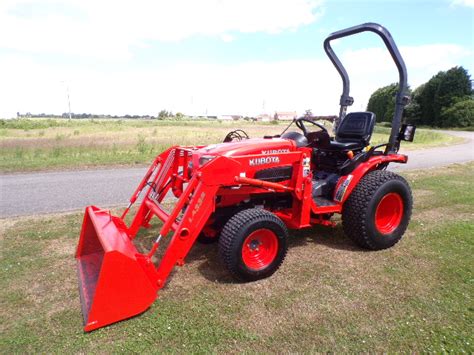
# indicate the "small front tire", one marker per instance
pixel 253 244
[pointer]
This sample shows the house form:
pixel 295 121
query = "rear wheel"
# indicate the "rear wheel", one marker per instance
pixel 253 244
pixel 378 211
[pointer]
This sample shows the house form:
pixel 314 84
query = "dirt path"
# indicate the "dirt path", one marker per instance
pixel 439 156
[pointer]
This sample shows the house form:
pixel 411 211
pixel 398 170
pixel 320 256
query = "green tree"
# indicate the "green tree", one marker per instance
pixel 426 99
pixel 382 102
pixel 413 109
pixel 163 114
pixel 456 84
pixel 460 114
pixel 439 93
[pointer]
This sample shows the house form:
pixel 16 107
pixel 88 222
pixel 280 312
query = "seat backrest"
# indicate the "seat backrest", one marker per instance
pixel 356 127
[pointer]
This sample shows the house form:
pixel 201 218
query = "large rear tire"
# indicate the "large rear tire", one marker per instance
pixel 253 244
pixel 377 213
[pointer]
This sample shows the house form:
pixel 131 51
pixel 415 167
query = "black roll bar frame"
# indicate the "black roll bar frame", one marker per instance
pixel 402 97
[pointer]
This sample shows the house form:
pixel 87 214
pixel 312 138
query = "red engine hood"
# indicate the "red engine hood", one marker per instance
pixel 249 146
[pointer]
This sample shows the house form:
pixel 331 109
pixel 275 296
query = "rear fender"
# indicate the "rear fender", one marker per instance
pixel 346 184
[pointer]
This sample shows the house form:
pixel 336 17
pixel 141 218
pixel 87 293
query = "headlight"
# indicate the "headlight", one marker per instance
pixel 205 159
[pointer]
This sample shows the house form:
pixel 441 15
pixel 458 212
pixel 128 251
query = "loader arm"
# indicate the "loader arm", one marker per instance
pixel 116 281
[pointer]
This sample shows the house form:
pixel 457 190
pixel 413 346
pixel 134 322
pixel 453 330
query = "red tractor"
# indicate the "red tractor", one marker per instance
pixel 246 194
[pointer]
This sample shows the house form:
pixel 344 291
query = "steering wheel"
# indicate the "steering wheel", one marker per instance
pixel 299 123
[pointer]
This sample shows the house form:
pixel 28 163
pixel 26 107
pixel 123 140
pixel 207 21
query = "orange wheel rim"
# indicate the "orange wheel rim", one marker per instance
pixel 389 213
pixel 260 249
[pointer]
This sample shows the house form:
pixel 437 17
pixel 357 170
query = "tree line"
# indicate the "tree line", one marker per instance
pixel 446 100
pixel 163 114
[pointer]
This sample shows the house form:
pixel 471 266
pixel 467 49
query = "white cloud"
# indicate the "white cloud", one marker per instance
pixel 218 89
pixel 227 37
pixel 468 3
pixel 110 28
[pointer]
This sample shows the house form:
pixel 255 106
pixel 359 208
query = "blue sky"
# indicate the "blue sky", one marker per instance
pixel 216 56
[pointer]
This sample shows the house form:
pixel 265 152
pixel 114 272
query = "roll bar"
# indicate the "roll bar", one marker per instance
pixel 346 100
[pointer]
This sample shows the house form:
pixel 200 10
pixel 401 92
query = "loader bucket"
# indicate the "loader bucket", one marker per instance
pixel 114 279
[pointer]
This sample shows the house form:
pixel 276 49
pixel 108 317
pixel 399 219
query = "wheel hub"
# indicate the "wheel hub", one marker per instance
pixel 253 245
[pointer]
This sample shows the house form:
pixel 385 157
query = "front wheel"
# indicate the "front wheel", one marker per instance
pixel 253 244
pixel 377 213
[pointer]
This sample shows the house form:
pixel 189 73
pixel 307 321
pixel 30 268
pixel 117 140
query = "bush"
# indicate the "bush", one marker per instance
pixel 142 146
pixel 461 114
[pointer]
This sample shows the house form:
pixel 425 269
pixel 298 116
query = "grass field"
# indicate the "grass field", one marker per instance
pixel 328 295
pixel 41 144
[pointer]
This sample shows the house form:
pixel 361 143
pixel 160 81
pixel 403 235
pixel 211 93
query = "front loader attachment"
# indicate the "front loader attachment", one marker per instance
pixel 114 280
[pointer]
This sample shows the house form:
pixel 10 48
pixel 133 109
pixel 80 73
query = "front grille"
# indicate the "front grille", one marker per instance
pixel 280 173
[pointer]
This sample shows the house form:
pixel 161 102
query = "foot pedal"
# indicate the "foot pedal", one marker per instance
pixel 323 202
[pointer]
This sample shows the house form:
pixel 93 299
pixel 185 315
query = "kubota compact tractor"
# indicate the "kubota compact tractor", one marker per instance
pixel 246 194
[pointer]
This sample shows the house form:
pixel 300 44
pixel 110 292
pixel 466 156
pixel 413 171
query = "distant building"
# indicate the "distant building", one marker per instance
pixel 225 117
pixel 265 117
pixel 285 115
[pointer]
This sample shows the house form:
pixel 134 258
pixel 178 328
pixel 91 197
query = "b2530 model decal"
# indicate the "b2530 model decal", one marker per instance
pixel 275 151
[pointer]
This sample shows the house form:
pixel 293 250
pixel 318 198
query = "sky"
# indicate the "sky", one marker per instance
pixel 216 57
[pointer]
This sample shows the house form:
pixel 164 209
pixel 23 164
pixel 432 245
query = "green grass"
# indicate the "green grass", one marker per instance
pixel 41 144
pixel 424 138
pixel 327 296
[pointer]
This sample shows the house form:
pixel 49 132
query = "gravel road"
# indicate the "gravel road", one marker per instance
pixel 440 156
pixel 48 192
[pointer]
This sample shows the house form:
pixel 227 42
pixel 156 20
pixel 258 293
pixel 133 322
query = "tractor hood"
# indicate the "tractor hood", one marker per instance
pixel 248 147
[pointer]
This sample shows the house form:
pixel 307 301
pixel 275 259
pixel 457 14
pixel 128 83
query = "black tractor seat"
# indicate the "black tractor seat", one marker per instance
pixel 335 145
pixel 354 132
